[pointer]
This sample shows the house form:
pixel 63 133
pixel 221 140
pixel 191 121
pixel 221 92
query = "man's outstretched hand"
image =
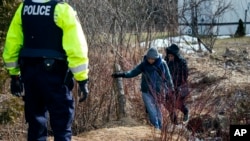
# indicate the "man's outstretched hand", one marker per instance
pixel 118 74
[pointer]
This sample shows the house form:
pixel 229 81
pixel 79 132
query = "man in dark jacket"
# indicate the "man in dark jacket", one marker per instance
pixel 179 71
pixel 156 82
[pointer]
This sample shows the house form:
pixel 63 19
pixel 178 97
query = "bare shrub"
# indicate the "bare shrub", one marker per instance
pixel 101 106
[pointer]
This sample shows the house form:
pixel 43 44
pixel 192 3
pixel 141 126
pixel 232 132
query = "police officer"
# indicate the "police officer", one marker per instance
pixel 45 47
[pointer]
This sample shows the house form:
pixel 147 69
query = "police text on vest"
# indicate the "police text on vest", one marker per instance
pixel 37 10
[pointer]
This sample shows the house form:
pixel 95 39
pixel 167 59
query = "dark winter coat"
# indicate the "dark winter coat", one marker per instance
pixel 155 77
pixel 178 68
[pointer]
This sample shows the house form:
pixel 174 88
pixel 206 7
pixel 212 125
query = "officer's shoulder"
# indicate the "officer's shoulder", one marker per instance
pixel 61 2
pixel 64 5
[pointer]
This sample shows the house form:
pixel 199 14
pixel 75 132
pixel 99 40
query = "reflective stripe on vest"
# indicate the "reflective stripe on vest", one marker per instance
pixel 11 64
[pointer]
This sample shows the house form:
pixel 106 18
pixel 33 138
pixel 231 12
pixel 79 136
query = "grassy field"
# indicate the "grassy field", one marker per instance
pixel 231 43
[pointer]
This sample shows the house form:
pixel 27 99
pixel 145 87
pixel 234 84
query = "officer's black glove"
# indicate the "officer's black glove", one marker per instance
pixel 118 74
pixel 83 85
pixel 16 85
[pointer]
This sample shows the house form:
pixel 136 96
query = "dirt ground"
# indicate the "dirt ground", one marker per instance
pixel 137 133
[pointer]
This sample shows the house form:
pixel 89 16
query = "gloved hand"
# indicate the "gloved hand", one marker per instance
pixel 16 85
pixel 83 85
pixel 118 74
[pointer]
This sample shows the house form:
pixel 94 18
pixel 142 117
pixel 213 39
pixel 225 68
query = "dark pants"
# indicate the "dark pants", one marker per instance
pixel 171 106
pixel 174 102
pixel 180 104
pixel 181 96
pixel 46 95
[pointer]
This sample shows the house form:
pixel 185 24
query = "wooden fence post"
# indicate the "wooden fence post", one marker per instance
pixel 120 95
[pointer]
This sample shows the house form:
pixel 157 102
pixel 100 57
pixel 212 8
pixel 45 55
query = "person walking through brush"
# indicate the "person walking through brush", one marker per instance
pixel 45 47
pixel 179 71
pixel 156 82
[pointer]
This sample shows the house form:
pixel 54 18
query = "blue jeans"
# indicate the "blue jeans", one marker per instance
pixel 153 109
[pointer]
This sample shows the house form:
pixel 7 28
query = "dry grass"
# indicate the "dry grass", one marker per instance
pixel 231 43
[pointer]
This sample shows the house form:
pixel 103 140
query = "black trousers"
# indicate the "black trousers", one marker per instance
pixel 47 96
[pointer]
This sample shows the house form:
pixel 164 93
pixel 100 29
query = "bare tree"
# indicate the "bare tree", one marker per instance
pixel 202 17
pixel 114 30
pixel 116 21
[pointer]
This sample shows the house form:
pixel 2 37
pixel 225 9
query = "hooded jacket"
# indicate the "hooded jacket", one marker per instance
pixel 155 77
pixel 178 68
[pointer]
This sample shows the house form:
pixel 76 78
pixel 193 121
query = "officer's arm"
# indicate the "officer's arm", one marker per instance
pixel 13 43
pixel 74 42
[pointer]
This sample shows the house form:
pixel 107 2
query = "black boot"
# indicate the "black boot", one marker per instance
pixel 173 118
pixel 186 117
pixel 186 114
